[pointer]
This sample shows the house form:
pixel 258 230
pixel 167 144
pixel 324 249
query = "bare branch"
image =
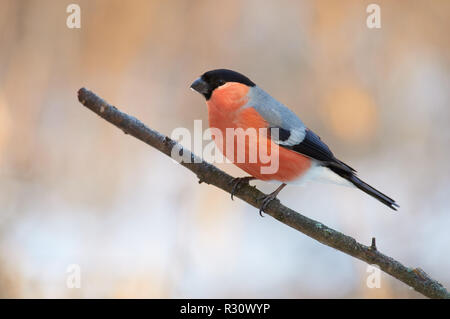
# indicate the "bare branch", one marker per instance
pixel 207 173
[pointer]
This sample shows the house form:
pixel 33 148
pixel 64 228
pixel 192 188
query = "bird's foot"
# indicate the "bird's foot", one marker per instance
pixel 236 182
pixel 266 199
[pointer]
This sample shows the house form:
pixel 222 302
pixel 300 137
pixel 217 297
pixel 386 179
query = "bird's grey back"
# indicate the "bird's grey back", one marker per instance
pixel 274 112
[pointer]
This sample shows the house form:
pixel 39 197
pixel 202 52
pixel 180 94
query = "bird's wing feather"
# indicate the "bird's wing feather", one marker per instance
pixel 313 147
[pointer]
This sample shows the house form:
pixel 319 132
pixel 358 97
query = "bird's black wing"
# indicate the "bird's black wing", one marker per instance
pixel 313 147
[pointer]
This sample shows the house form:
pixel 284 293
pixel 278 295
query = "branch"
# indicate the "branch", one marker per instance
pixel 207 173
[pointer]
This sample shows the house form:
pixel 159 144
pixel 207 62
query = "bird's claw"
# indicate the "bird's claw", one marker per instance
pixel 266 199
pixel 237 182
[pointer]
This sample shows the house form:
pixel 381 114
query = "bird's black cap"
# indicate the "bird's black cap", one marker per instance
pixel 211 80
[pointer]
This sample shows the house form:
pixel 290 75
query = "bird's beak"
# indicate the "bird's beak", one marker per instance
pixel 200 86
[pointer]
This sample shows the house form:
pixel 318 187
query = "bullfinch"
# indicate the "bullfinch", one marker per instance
pixel 235 102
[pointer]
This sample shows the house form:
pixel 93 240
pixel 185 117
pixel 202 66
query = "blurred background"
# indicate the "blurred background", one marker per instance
pixel 76 190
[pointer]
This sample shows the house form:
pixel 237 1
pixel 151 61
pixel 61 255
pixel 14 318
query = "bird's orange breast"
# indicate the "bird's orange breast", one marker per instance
pixel 226 111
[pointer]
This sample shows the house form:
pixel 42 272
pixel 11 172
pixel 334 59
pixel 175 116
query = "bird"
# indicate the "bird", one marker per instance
pixel 236 102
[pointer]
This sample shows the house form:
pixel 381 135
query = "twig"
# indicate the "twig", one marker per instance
pixel 210 174
pixel 373 246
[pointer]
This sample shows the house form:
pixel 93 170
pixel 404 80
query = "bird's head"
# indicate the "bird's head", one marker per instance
pixel 211 80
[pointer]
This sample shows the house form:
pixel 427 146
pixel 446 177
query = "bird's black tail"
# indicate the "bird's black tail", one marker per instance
pixel 348 173
pixel 373 192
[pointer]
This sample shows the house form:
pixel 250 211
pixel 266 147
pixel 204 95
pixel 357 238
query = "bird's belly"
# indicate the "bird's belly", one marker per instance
pixel 290 167
pixel 256 154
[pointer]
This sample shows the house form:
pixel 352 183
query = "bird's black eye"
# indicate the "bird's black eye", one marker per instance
pixel 221 82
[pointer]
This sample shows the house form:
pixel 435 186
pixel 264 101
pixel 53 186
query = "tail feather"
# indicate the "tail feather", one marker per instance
pixel 352 178
pixel 373 192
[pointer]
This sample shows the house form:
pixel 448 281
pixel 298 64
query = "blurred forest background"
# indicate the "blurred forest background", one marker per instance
pixel 76 190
